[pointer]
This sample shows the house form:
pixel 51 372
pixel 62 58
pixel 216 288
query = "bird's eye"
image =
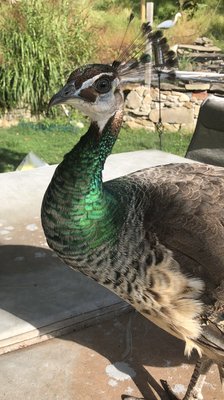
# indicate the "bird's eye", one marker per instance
pixel 103 85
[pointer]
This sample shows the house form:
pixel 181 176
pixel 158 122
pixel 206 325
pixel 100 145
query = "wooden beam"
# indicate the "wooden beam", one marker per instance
pixel 208 49
pixel 143 10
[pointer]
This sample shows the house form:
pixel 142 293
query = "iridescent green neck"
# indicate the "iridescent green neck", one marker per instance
pixel 85 162
pixel 92 214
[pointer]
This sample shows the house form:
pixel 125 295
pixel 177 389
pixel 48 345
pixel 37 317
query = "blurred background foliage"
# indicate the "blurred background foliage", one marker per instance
pixel 41 41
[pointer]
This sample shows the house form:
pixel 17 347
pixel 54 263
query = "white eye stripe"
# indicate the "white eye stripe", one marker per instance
pixel 91 81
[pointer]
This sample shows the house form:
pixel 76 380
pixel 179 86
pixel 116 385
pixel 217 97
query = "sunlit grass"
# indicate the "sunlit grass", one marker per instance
pixel 111 27
pixel 50 141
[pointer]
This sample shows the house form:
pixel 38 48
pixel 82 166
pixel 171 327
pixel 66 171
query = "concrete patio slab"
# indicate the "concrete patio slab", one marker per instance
pixel 126 355
pixel 40 297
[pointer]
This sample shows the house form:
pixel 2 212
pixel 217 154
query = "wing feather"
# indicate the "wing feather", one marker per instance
pixel 184 207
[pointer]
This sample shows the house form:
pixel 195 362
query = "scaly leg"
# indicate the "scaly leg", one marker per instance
pixel 196 383
pixel 198 379
pixel 221 374
pixel 131 398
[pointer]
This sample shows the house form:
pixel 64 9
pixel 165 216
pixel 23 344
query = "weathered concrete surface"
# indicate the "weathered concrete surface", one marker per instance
pixel 41 297
pixel 126 355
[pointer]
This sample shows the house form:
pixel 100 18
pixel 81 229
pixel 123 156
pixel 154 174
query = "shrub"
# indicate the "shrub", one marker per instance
pixel 216 28
pixel 40 43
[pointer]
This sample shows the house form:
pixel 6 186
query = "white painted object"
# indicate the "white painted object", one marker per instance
pixel 31 161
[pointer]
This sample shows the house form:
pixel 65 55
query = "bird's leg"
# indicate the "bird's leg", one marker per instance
pixel 131 398
pixel 197 380
pixel 168 390
pixel 196 383
pixel 195 386
pixel 221 374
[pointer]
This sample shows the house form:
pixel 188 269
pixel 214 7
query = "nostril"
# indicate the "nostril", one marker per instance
pixel 68 90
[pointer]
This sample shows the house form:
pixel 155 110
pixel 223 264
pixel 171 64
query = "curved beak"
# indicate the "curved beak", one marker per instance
pixel 66 94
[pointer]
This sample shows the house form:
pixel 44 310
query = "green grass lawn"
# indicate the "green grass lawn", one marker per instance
pixel 50 141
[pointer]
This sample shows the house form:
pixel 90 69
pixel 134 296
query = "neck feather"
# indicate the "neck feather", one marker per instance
pixel 89 155
pixel 77 188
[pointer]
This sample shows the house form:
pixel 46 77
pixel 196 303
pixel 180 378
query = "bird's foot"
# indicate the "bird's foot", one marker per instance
pixel 166 387
pixel 171 395
pixel 126 397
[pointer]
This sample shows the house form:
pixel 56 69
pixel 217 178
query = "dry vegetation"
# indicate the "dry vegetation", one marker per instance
pixel 186 31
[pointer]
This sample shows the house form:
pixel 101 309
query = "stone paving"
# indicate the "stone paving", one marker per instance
pixel 126 355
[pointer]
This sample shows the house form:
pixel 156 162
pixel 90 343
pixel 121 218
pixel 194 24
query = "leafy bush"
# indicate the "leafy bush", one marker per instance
pixel 40 43
pixel 105 5
pixel 216 29
pixel 166 10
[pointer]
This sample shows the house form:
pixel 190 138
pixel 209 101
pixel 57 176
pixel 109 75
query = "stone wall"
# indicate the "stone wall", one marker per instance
pixel 179 109
pixel 13 117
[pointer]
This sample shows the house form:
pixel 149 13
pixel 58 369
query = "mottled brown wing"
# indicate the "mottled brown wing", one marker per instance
pixel 186 211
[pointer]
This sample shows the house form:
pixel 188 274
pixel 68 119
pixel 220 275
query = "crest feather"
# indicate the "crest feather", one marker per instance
pixel 131 63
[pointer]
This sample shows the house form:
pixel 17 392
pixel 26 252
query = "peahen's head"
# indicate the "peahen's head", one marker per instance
pixel 97 89
pixel 94 90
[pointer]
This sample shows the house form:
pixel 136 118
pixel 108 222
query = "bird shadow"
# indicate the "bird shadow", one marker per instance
pixel 35 284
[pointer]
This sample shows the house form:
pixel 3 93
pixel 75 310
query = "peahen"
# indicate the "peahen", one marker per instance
pixel 154 237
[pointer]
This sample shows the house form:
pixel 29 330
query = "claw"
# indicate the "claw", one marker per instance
pixel 168 390
pixel 165 386
pixel 126 397
pixel 131 398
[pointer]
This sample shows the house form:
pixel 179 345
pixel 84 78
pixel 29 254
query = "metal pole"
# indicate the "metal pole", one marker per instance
pixel 149 18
